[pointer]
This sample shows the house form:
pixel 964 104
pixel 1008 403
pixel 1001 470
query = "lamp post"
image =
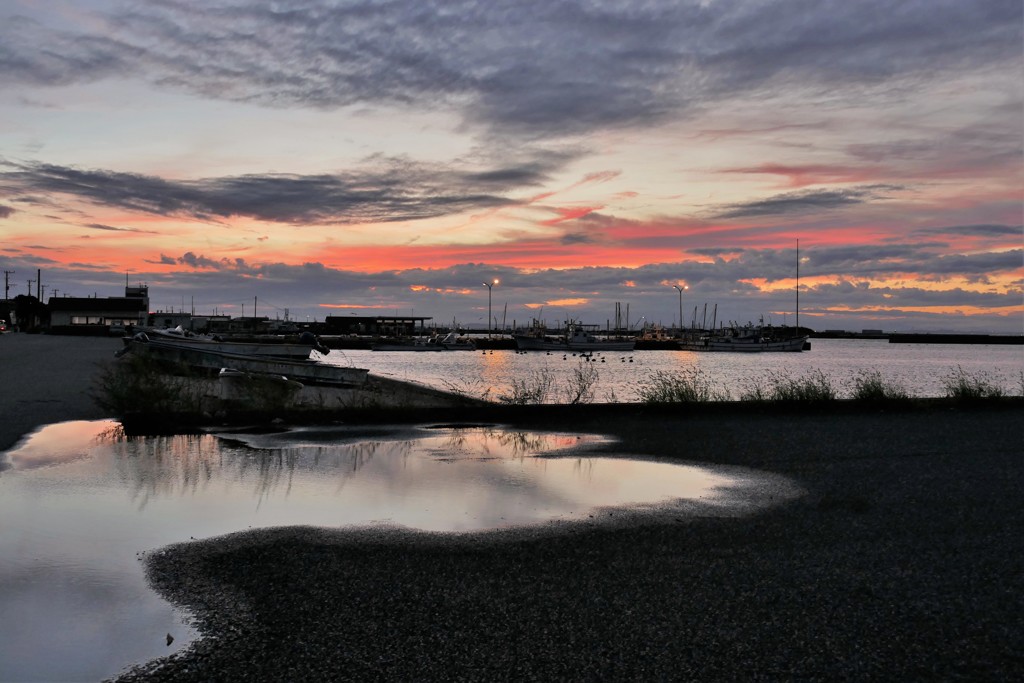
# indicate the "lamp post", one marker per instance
pixel 489 286
pixel 680 290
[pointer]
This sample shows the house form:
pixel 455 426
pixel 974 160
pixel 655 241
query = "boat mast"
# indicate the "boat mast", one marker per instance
pixel 798 287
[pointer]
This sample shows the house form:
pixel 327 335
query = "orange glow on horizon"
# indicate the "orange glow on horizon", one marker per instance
pixel 939 310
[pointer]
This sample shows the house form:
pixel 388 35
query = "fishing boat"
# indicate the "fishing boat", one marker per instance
pixel 212 359
pixel 743 340
pixel 577 338
pixel 749 338
pixel 271 348
pixel 449 342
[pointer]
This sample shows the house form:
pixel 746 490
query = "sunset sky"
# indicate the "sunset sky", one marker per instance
pixel 382 157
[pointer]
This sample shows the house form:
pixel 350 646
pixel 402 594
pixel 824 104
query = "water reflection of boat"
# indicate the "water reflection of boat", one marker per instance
pixel 450 342
pixel 212 359
pixel 273 348
pixel 576 338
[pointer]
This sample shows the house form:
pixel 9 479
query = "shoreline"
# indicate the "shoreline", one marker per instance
pixel 903 559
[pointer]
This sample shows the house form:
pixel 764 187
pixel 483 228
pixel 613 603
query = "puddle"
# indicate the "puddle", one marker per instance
pixel 80 502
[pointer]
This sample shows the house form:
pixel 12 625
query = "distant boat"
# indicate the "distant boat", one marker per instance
pixel 212 359
pixel 449 342
pixel 577 339
pixel 750 339
pixel 742 341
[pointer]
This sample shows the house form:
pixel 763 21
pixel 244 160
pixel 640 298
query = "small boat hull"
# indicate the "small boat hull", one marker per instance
pixel 241 386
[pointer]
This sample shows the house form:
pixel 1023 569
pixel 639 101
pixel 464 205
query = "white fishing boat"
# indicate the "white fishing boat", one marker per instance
pixel 212 358
pixel 577 338
pixel 273 348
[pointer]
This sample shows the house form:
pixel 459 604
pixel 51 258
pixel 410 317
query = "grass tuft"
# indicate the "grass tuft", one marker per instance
pixel 814 387
pixel 529 390
pixel 966 387
pixel 691 385
pixel 141 385
pixel 870 387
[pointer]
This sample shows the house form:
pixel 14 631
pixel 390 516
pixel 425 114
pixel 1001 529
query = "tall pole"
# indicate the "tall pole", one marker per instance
pixel 7 284
pixel 489 287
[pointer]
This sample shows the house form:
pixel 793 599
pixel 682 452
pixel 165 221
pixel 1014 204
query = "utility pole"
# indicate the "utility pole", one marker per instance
pixel 30 287
pixel 39 284
pixel 680 288
pixel 489 287
pixel 7 284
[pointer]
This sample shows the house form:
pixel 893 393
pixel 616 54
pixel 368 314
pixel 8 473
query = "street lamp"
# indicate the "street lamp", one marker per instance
pixel 680 290
pixel 489 286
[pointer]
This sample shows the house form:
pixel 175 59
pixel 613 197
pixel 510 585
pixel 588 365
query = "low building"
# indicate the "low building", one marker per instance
pixel 376 325
pixel 99 315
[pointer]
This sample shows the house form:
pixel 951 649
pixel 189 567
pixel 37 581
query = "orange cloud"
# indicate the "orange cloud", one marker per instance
pixel 568 214
pixel 568 302
pixel 813 174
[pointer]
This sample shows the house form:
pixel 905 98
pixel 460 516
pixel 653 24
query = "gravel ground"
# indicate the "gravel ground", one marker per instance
pixel 903 561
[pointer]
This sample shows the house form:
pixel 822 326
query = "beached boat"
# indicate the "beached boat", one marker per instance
pixel 577 339
pixel 449 342
pixel 272 348
pixel 239 385
pixel 212 359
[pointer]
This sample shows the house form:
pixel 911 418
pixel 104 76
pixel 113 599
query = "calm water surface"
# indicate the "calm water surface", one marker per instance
pixel 918 368
pixel 80 503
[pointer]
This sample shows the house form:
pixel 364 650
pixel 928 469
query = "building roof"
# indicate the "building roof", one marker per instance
pixel 86 304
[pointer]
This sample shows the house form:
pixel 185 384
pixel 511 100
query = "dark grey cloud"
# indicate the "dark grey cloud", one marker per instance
pixel 381 191
pixel 6 211
pixel 578 238
pixel 806 201
pixel 981 230
pixel 111 228
pixel 531 66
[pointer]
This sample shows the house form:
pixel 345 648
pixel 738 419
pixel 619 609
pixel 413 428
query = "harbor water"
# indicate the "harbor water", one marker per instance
pixel 922 370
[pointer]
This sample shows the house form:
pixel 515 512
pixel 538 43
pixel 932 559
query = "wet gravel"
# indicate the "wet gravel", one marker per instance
pixel 904 560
